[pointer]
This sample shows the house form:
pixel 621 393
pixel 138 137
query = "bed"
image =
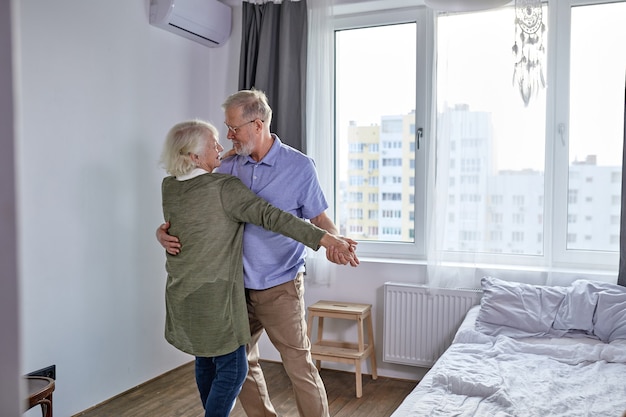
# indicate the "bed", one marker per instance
pixel 530 350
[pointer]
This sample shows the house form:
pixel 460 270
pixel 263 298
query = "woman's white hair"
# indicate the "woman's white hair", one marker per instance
pixel 184 139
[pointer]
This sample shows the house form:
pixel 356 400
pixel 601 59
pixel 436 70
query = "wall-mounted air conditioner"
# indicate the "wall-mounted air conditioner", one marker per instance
pixel 205 21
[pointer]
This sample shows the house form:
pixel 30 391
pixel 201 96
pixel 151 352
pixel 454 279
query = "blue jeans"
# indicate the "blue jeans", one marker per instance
pixel 219 381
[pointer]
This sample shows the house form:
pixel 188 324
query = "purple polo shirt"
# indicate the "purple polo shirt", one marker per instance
pixel 287 179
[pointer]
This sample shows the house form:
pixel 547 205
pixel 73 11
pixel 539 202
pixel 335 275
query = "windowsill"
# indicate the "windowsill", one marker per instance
pixel 563 272
pixel 398 261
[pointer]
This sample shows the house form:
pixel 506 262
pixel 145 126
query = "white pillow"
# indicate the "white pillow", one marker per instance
pixel 610 315
pixel 578 306
pixel 585 308
pixel 518 310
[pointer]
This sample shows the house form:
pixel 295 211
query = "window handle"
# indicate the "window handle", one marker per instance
pixel 562 133
pixel 420 133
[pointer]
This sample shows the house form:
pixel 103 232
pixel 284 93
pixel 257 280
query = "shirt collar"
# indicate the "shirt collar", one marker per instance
pixel 194 173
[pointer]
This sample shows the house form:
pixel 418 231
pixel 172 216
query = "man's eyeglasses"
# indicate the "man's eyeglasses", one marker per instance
pixel 234 129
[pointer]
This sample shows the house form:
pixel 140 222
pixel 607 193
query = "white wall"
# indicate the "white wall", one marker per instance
pixel 99 88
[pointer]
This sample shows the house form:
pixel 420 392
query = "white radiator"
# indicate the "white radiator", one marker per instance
pixel 420 322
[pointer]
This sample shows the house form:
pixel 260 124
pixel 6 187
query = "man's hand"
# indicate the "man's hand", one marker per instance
pixel 336 253
pixel 170 243
pixel 340 250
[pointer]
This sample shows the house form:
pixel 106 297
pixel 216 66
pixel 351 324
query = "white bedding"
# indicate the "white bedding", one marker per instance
pixel 481 375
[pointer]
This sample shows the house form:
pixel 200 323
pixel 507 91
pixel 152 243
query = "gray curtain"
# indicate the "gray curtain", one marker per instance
pixel 621 279
pixel 273 59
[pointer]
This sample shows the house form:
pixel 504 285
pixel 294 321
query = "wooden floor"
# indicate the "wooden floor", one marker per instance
pixel 175 395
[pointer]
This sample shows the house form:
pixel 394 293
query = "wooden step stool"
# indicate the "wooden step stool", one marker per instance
pixel 341 351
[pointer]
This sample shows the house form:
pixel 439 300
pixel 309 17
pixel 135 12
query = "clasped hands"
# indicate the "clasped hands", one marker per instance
pixel 339 250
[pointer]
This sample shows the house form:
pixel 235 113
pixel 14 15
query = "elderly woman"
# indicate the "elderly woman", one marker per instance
pixel 206 308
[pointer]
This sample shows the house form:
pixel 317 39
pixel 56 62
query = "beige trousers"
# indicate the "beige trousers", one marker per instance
pixel 280 311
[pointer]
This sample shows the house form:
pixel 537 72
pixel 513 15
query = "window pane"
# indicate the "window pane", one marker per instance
pixel 490 145
pixel 596 126
pixel 375 123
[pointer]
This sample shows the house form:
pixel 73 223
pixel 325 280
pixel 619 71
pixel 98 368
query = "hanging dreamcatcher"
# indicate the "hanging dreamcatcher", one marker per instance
pixel 528 50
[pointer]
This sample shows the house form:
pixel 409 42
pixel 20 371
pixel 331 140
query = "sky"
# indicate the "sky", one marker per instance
pixel 377 78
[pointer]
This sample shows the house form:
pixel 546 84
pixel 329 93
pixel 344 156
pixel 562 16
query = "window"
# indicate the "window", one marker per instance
pixel 484 129
pixel 376 105
pixel 513 179
pixel 596 122
pixel 376 121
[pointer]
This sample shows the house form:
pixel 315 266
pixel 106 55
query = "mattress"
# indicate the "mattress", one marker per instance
pixel 485 375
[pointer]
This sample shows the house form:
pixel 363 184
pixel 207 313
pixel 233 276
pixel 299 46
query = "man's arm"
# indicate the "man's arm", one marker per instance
pixel 332 254
pixel 170 243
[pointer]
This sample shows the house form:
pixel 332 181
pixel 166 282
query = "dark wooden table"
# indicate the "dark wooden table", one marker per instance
pixel 40 393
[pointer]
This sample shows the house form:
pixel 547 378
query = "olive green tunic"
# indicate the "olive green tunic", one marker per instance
pixel 206 311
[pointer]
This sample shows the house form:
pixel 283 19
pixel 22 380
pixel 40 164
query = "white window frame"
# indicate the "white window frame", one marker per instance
pixel 556 256
pixel 424 22
pixel 558 76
